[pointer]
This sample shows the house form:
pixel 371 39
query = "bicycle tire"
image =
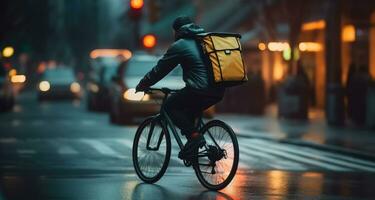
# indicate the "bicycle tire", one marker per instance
pixel 233 170
pixel 165 163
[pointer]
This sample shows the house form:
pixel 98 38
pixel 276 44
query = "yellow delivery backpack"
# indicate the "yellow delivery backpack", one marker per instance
pixel 222 54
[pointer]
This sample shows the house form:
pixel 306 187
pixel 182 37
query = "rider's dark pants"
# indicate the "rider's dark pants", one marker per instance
pixel 186 105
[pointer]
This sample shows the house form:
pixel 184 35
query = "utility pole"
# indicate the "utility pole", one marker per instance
pixel 135 13
pixel 334 109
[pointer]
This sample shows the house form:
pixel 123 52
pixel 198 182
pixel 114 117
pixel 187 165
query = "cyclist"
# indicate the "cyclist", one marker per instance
pixel 186 105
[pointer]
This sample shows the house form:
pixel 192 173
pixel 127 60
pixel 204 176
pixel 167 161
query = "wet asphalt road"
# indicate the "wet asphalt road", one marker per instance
pixel 58 150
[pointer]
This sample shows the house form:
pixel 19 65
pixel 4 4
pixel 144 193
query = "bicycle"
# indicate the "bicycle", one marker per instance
pixel 215 164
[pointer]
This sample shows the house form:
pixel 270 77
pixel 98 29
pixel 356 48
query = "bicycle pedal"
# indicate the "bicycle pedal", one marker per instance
pixel 187 163
pixel 184 157
pixel 181 155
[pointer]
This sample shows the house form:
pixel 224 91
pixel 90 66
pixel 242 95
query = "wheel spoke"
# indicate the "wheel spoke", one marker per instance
pixel 205 150
pixel 204 164
pixel 203 155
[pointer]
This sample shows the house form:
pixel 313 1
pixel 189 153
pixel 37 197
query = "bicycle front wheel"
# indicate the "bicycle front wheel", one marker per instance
pixel 151 150
pixel 217 162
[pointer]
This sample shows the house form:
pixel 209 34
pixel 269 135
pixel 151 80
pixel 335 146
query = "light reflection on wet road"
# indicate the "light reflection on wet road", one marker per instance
pixel 256 185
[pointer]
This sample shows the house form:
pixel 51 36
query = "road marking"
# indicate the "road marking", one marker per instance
pixel 125 142
pixel 315 156
pixel 270 135
pixel 343 157
pixel 65 122
pixel 16 122
pixel 100 147
pixel 65 149
pixel 88 122
pixel 38 122
pixel 286 156
pixel 249 160
pixel 8 140
pixel 286 164
pixel 26 151
pixel 283 165
pixel 264 148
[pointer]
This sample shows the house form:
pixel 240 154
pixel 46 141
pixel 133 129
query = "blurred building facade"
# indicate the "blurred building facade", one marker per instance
pixel 319 39
pixel 355 30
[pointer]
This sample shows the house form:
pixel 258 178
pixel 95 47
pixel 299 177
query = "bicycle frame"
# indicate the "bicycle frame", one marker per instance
pixel 166 124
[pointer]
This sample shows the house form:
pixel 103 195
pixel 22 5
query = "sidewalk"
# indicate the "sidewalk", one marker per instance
pixel 315 131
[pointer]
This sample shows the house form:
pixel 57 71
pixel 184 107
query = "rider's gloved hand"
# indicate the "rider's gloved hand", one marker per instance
pixel 141 87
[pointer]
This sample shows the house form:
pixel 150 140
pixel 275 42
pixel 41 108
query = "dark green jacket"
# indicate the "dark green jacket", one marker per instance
pixel 184 51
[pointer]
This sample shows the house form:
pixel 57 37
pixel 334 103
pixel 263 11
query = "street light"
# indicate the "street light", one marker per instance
pixel 278 46
pixel 262 46
pixel 8 52
pixel 348 33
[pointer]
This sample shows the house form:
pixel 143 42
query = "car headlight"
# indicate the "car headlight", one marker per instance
pixel 93 87
pixel 75 87
pixel 44 86
pixel 18 79
pixel 131 95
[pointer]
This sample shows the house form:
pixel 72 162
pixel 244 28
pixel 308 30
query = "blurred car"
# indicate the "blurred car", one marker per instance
pixel 6 91
pixel 125 103
pixel 18 80
pixel 103 66
pixel 58 83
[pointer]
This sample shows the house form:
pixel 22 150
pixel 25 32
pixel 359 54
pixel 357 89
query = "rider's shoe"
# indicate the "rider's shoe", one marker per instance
pixel 191 146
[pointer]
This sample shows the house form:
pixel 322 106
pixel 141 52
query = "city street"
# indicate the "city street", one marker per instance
pixel 59 150
pixel 286 90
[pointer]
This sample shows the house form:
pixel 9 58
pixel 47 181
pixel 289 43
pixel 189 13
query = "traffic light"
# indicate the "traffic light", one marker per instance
pixel 135 11
pixel 136 4
pixel 149 41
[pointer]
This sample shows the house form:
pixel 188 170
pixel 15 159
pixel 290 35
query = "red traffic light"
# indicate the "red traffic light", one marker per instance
pixel 136 4
pixel 149 41
pixel 135 11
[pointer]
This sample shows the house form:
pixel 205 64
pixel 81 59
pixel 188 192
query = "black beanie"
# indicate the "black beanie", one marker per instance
pixel 180 21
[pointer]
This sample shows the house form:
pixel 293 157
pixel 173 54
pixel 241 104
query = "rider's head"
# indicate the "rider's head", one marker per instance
pixel 180 21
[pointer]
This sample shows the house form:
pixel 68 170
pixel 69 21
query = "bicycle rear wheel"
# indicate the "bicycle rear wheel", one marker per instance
pixel 217 162
pixel 151 150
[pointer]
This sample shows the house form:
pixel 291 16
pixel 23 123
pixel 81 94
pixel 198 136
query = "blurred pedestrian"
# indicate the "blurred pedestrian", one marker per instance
pixel 350 89
pixel 357 92
pixel 306 88
pixel 301 73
